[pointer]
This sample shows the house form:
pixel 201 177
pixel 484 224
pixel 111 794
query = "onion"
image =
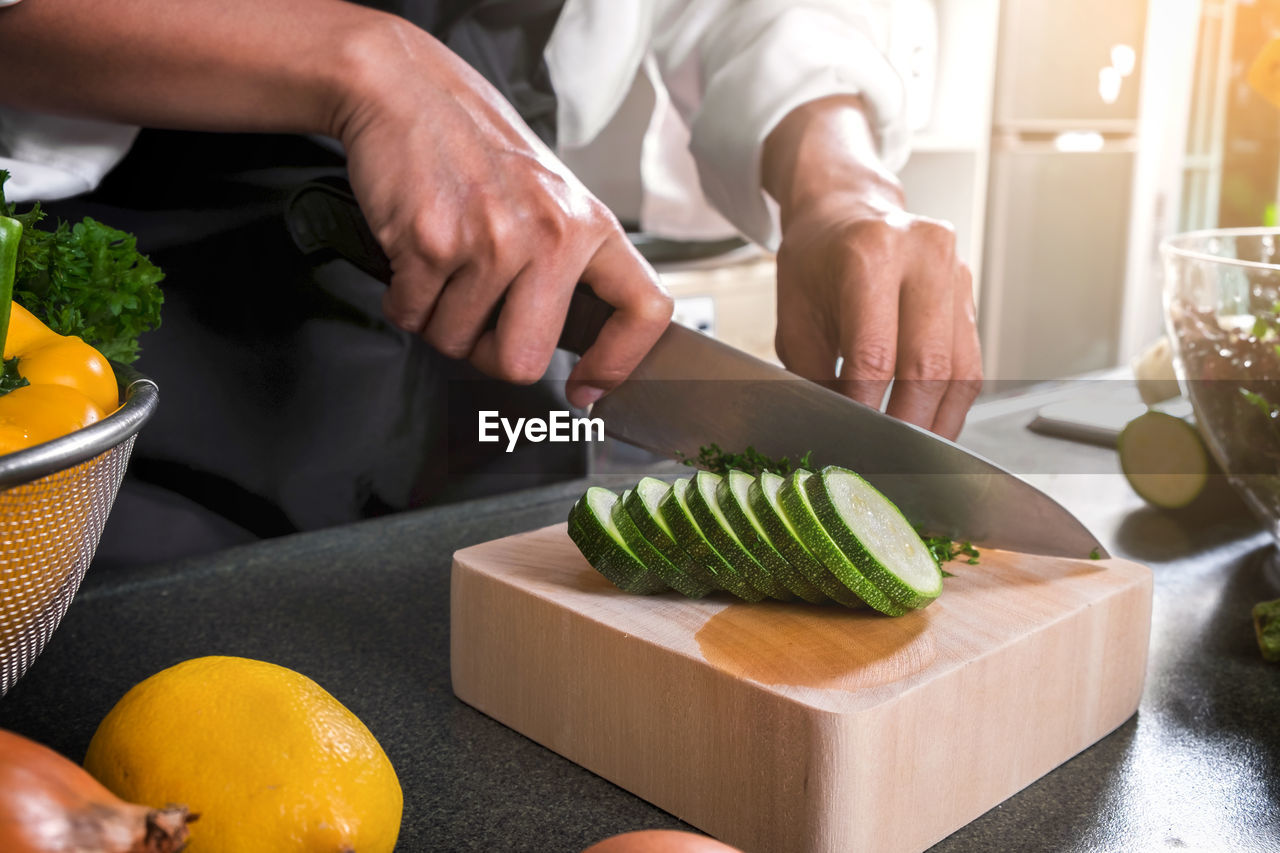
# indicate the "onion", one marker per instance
pixel 49 804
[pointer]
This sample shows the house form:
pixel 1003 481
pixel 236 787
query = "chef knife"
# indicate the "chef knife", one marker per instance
pixel 691 390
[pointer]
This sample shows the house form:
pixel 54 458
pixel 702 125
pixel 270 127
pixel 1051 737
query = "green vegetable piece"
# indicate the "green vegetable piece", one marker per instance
pixel 763 498
pixel 10 239
pixel 750 461
pixel 88 280
pixel 592 529
pixel 945 549
pixel 1266 624
pixel 732 496
pixel 711 521
pixel 652 558
pixel 687 531
pixel 795 501
pixel 874 536
pixel 643 503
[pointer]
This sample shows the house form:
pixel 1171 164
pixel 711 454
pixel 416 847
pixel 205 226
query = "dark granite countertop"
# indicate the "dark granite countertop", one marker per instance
pixel 364 611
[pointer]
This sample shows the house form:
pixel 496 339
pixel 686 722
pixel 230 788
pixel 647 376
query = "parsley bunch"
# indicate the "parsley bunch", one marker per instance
pixel 86 279
pixel 711 458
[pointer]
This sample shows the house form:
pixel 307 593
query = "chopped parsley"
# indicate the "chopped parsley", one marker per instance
pixel 711 458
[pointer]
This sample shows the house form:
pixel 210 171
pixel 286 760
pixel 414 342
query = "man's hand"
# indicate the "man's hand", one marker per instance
pixel 472 209
pixel 470 206
pixel 862 280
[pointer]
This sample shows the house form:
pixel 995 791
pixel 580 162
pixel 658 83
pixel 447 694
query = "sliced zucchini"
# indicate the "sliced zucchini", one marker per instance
pixel 687 532
pixel 794 499
pixel 652 558
pixel 592 529
pixel 642 503
pixel 874 536
pixel 1164 459
pixel 732 498
pixel 711 521
pixel 763 499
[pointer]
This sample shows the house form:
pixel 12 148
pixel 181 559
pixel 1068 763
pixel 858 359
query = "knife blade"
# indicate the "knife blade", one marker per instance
pixel 691 390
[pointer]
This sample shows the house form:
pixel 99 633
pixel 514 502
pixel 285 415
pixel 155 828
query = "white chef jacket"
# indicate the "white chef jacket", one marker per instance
pixel 725 72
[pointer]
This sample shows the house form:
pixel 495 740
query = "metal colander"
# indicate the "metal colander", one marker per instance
pixel 54 501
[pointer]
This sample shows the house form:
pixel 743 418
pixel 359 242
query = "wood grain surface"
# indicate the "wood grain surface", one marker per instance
pixel 800 727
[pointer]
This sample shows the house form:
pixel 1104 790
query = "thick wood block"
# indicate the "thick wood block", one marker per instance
pixel 802 728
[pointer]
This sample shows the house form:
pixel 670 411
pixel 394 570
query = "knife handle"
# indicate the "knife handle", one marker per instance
pixel 326 222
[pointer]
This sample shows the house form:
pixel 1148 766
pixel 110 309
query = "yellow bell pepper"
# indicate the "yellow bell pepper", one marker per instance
pixel 69 383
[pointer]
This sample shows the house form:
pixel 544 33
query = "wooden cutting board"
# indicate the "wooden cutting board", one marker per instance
pixel 802 728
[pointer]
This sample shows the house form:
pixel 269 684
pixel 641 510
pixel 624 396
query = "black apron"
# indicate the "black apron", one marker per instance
pixel 287 402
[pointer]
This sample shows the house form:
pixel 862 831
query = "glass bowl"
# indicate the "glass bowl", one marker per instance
pixel 1222 311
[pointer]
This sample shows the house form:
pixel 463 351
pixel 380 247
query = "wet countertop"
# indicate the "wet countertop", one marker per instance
pixel 364 610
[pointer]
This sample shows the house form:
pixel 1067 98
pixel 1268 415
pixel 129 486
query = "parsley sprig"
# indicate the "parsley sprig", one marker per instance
pixel 86 279
pixel 711 458
pixel 944 550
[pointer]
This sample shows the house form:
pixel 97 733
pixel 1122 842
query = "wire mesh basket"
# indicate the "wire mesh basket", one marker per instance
pixel 54 501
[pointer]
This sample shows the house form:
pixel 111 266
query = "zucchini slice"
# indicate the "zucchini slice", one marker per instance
pixel 763 499
pixel 652 558
pixel 706 511
pixel 794 499
pixel 732 498
pixel 642 504
pixel 592 529
pixel 874 536
pixel 685 529
pixel 1164 459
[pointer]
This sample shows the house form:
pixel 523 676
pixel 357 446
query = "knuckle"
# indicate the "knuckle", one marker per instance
pixel 451 345
pixel 867 247
pixel 657 307
pixel 399 314
pixel 871 360
pixel 521 365
pixel 927 364
pixel 935 229
pixel 873 236
pixel 968 389
pixel 402 320
pixel 499 233
pixel 429 240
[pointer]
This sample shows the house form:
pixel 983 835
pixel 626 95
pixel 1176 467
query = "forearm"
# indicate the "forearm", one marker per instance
pixel 243 65
pixel 826 151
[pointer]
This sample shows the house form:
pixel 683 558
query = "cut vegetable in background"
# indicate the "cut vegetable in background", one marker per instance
pixel 1164 459
pixel 1266 626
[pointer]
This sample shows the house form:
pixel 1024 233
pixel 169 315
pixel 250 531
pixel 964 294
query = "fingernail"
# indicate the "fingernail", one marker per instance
pixel 587 395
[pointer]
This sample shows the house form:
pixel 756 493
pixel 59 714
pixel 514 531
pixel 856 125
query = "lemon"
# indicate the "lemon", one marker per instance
pixel 266 757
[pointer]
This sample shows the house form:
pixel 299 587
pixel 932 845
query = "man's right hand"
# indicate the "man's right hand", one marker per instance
pixel 466 201
pixel 472 209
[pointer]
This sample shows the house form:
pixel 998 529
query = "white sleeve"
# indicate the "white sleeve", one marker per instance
pixel 735 68
pixel 51 157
